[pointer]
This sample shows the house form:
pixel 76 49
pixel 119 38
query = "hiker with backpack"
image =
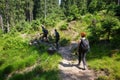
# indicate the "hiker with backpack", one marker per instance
pixel 57 37
pixel 83 48
pixel 45 33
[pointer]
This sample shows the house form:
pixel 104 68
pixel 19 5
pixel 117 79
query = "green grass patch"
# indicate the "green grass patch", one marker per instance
pixel 100 59
pixel 16 55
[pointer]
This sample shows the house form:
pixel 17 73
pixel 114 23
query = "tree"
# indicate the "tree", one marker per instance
pixel 29 10
pixel 38 9
pixel 82 6
pixel 109 25
pixel 92 6
pixel 117 10
pixel 73 13
pixel 1 23
pixel 118 2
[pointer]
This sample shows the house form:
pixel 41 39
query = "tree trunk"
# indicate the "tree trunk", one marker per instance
pixel 1 23
pixel 7 15
pixel 118 2
pixel 45 10
pixel 29 11
pixel 8 27
pixel 31 16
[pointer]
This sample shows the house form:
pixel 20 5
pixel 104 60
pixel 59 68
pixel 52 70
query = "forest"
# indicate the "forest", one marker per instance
pixel 21 21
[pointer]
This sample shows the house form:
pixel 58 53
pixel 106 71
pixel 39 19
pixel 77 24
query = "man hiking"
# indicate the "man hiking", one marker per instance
pixel 57 37
pixel 45 33
pixel 83 48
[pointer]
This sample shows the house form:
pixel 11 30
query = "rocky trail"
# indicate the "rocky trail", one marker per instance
pixel 68 66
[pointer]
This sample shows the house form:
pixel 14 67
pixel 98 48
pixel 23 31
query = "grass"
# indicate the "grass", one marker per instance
pixel 16 55
pixel 37 74
pixel 100 59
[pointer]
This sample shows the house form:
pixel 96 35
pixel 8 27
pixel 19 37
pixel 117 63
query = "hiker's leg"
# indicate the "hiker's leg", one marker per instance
pixel 56 42
pixel 43 37
pixel 84 59
pixel 79 58
pixel 46 38
pixel 57 45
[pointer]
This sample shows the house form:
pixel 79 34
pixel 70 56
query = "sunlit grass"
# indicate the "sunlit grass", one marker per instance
pixel 99 59
pixel 16 55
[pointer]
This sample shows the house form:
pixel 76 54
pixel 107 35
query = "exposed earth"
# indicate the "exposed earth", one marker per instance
pixel 68 66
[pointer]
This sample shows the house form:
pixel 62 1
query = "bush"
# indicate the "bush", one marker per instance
pixel 92 6
pixel 109 25
pixel 35 25
pixel 2 61
pixel 8 69
pixel 23 26
pixel 117 76
pixel 87 18
pixel 70 18
pixel 102 78
pixel 64 26
pixel 117 10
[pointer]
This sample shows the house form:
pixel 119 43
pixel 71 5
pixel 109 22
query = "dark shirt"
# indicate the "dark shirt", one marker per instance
pixel 57 35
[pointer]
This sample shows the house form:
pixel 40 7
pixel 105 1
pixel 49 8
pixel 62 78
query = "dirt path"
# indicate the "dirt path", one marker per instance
pixel 68 66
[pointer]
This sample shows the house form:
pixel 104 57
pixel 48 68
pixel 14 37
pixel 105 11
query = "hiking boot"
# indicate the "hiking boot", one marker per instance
pixel 85 68
pixel 78 64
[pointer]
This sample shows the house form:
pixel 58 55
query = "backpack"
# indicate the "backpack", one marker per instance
pixel 46 31
pixel 57 35
pixel 84 45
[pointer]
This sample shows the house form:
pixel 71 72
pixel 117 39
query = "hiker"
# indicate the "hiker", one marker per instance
pixel 57 37
pixel 83 49
pixel 45 33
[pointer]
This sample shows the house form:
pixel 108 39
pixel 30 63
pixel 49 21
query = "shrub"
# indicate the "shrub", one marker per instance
pixel 92 6
pixel 87 18
pixel 2 61
pixel 102 78
pixel 117 76
pixel 70 18
pixel 117 10
pixel 35 25
pixel 8 69
pixel 23 26
pixel 64 26
pixel 109 25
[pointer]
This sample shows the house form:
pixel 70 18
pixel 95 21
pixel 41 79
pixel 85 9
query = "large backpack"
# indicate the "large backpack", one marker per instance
pixel 57 35
pixel 84 45
pixel 45 31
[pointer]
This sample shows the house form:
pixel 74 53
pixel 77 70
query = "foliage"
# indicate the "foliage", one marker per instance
pixel 23 26
pixel 117 10
pixel 102 78
pixel 99 18
pixel 109 25
pixel 64 26
pixel 73 13
pixel 92 6
pixel 100 55
pixel 35 25
pixel 16 55
pixel 116 38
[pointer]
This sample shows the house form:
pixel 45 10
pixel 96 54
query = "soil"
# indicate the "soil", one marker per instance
pixel 68 66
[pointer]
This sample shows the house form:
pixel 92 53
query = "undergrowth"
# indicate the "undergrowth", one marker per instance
pixel 16 55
